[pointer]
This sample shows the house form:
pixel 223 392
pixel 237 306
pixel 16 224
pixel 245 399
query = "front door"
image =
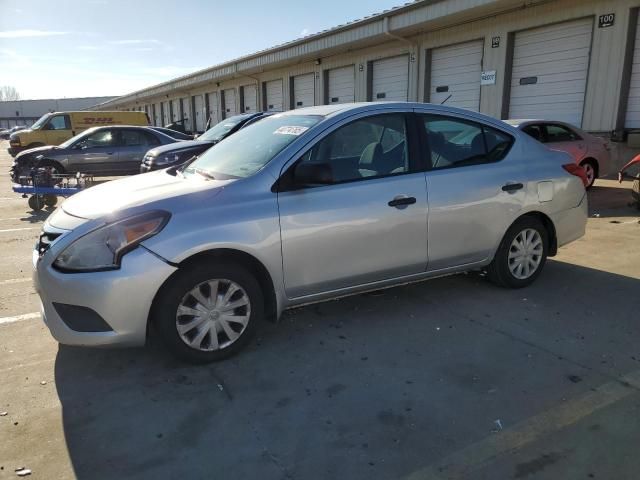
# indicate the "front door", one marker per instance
pixel 369 223
pixel 476 190
pixel 94 153
pixel 58 129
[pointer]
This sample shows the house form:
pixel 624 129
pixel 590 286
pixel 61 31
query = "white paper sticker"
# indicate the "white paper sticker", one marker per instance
pixel 290 131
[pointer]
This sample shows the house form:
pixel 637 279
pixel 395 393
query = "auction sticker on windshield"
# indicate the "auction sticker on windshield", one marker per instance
pixel 290 130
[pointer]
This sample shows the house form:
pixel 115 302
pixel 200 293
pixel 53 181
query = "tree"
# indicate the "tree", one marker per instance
pixel 8 93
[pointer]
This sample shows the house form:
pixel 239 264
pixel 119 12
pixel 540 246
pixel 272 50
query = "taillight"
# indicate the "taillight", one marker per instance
pixel 578 171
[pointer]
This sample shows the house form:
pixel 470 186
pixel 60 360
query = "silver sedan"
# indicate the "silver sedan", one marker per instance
pixel 301 207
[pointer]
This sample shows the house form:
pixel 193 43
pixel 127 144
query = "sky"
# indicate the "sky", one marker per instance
pixel 85 48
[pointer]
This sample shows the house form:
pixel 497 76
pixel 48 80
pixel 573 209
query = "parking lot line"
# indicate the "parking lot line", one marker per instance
pixel 19 318
pixel 486 451
pixel 19 229
pixel 11 281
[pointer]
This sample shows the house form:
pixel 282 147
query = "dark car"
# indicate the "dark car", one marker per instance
pixel 100 151
pixel 7 133
pixel 173 133
pixel 171 155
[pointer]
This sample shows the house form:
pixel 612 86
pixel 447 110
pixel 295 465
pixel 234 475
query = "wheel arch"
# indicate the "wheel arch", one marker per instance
pixel 549 227
pixel 594 162
pixel 229 255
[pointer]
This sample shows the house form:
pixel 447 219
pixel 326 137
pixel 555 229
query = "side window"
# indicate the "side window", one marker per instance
pixel 132 138
pixel 151 139
pixel 535 131
pixel 370 147
pixel 560 133
pixel 102 138
pixel 59 122
pixel 455 142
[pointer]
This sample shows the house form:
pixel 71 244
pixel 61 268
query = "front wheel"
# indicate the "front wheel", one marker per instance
pixel 521 255
pixel 208 312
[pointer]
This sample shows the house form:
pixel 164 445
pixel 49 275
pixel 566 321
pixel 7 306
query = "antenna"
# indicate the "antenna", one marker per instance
pixel 443 102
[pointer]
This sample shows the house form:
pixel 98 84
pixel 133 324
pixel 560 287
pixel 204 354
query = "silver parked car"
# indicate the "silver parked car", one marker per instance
pixel 300 207
pixel 100 151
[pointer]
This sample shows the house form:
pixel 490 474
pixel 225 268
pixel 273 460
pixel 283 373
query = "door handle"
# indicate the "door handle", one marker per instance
pixel 109 153
pixel 402 201
pixel 512 187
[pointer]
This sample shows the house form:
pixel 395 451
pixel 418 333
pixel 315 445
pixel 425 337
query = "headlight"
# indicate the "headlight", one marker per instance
pixel 14 140
pixel 103 248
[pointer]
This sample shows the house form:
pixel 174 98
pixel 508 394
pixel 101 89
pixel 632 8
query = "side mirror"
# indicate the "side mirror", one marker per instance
pixel 313 174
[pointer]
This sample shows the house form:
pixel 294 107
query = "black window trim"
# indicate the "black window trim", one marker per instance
pixel 284 183
pixel 427 149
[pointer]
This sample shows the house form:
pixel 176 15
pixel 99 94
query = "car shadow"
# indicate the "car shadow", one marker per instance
pixel 373 385
pixel 37 216
pixel 605 202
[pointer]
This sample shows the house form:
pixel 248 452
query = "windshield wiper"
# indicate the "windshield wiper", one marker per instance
pixel 204 173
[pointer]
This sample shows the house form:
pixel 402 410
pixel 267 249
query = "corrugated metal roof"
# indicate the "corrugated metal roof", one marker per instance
pixel 350 32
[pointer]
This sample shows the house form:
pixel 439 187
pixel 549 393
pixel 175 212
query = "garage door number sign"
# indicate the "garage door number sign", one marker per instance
pixel 606 20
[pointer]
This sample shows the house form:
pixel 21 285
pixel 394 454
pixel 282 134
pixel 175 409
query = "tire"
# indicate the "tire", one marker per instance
pixel 50 200
pixel 36 202
pixel 178 294
pixel 591 169
pixel 56 168
pixel 503 270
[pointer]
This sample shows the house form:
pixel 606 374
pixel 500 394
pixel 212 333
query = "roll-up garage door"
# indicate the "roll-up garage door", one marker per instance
pixel 390 79
pixel 304 92
pixel 549 75
pixel 186 113
pixel 201 114
pixel 341 85
pixel 274 95
pixel 213 117
pixel 166 116
pixel 175 110
pixel 455 74
pixel 230 103
pixel 632 119
pixel 156 114
pixel 250 102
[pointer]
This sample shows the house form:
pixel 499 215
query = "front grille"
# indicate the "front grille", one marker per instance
pixel 45 241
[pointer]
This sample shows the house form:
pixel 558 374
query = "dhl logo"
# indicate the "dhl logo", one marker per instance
pixel 97 120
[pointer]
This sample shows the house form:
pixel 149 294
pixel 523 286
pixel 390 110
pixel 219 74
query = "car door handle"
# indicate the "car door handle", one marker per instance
pixel 109 153
pixel 512 187
pixel 402 200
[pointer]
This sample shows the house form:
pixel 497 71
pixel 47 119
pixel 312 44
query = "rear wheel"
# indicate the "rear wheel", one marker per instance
pixel 50 200
pixel 209 312
pixel 521 255
pixel 591 169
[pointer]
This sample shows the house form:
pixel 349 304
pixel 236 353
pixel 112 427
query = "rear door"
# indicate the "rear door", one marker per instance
pixel 133 144
pixel 476 189
pixel 58 129
pixel 96 153
pixel 370 224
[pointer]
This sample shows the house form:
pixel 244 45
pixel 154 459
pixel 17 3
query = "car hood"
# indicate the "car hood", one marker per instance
pixel 182 145
pixel 110 197
pixel 37 151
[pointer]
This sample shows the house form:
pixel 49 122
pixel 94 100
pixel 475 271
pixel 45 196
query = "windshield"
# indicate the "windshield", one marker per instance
pixel 41 121
pixel 251 148
pixel 72 140
pixel 218 132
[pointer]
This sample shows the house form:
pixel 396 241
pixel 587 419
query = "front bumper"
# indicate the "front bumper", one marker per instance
pixel 122 298
pixel 13 151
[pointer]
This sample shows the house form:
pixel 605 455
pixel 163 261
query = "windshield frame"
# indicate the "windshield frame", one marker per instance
pixel 38 124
